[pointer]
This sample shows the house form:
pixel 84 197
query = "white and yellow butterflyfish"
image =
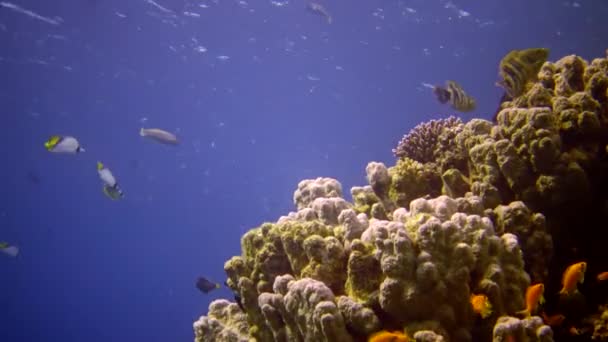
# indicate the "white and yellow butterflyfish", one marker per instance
pixel 9 249
pixel 110 186
pixel 63 144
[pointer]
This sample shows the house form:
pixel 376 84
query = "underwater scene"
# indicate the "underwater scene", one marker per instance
pixel 304 170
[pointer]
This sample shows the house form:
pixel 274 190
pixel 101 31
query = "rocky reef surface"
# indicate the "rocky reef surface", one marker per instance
pixel 469 208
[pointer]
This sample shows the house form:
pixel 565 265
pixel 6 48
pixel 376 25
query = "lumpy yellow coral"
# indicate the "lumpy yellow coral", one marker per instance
pixel 387 336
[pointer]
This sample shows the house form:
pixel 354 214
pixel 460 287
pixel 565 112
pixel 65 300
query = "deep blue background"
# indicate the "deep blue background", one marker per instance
pixel 251 127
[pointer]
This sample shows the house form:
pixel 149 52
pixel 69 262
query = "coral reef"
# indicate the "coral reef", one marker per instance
pixel 469 208
pixel 421 143
pixel 529 329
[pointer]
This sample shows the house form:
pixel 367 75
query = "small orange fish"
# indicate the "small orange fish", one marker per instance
pixel 553 320
pixel 574 331
pixel 574 274
pixel 602 276
pixel 387 336
pixel 534 297
pixel 481 305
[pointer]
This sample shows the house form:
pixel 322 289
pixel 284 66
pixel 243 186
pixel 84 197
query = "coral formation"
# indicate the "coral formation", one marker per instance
pixel 469 208
pixel 421 142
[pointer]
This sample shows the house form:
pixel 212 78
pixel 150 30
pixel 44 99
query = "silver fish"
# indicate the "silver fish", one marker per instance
pixel 319 10
pixel 159 135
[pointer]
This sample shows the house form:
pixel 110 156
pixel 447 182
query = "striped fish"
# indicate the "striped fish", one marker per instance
pixel 519 67
pixel 453 94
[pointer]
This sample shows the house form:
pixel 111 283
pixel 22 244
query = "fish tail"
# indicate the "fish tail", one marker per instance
pixel 142 132
pixel 80 149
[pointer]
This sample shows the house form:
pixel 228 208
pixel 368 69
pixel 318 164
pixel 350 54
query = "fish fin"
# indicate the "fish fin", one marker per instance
pixel 142 133
pixel 80 149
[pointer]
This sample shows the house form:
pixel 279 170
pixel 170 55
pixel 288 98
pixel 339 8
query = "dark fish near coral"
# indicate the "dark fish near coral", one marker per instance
pixel 237 297
pixel 239 302
pixel 516 70
pixel 205 285
pixel 455 96
pixel 519 67
pixel 318 9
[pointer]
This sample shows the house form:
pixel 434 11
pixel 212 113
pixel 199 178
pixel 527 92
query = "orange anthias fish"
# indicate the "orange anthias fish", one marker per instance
pixel 481 305
pixel 602 276
pixel 534 297
pixel 386 336
pixel 574 274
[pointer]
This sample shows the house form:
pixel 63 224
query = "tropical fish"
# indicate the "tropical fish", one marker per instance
pixel 519 67
pixel 534 297
pixel 159 135
pixel 63 144
pixel 319 10
pixel 205 285
pixel 239 301
pixel 553 320
pixel 573 275
pixel 481 305
pixel 9 249
pixel 114 193
pixel 110 186
pixel 602 276
pixel 455 95
pixel 237 297
pixel 387 336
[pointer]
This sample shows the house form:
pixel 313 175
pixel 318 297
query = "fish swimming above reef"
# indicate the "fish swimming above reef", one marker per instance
pixel 63 144
pixel 318 9
pixel 534 298
pixel 204 285
pixel 159 135
pixel 110 185
pixel 573 275
pixel 453 94
pixel 8 249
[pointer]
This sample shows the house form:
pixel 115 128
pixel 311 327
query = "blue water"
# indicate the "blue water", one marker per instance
pixel 262 95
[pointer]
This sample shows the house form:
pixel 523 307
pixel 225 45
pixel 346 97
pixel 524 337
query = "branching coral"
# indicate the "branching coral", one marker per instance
pixel 420 143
